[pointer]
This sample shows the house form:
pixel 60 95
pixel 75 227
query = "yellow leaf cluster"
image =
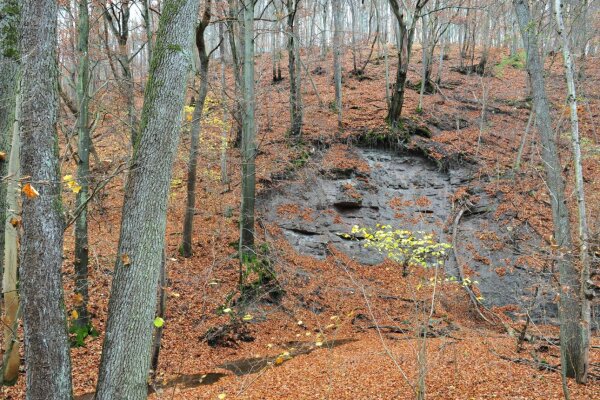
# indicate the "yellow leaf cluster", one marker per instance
pixel 71 183
pixel 403 246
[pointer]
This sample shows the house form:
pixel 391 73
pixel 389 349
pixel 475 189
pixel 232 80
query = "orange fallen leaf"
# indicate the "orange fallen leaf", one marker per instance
pixel 30 191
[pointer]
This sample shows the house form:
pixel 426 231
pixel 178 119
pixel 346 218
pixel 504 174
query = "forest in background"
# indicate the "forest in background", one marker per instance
pixel 299 199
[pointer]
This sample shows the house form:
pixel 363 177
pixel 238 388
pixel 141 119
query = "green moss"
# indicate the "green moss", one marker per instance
pixel 9 21
pixel 175 47
pixel 516 61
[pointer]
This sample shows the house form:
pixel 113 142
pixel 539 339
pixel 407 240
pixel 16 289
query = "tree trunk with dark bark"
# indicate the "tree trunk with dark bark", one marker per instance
pixel 83 169
pixel 190 209
pixel 294 71
pixel 571 329
pixel 46 340
pixel 406 30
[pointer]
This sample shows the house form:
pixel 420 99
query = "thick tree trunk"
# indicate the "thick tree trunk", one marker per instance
pixel 45 325
pixel 246 247
pixel 571 345
pixel 190 209
pixel 83 168
pixel 582 362
pixel 128 342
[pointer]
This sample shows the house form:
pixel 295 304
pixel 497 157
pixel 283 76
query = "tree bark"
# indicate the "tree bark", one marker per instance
pixel 190 209
pixel 128 341
pixel 406 27
pixel 148 26
pixel 569 305
pixel 83 169
pixel 324 46
pixel 224 129
pixel 337 57
pixel 295 72
pixel 581 362
pixel 9 67
pixel 10 359
pixel 45 325
pixel 235 58
pixel 246 247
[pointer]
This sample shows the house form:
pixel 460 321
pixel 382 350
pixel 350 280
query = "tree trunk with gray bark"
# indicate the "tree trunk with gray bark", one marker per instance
pixel 46 339
pixel 246 245
pixel 571 345
pixel 128 342
pixel 581 362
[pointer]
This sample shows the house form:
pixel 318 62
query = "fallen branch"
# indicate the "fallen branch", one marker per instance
pixel 467 288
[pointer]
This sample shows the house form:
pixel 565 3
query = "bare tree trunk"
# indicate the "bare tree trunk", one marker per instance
pixel 295 72
pixel 246 247
pixel 571 348
pixel 337 57
pixel 128 341
pixel 406 34
pixel 190 208
pixel 9 68
pixel 45 324
pixel 425 62
pixel 581 362
pixel 148 26
pixel 353 36
pixel 237 109
pixel 438 78
pixel 11 359
pixel 118 21
pixel 517 164
pixel 224 130
pixel 275 51
pixel 324 46
pixel 480 69
pixel 83 167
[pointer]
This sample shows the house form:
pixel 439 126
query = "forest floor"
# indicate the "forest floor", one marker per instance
pixel 342 330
